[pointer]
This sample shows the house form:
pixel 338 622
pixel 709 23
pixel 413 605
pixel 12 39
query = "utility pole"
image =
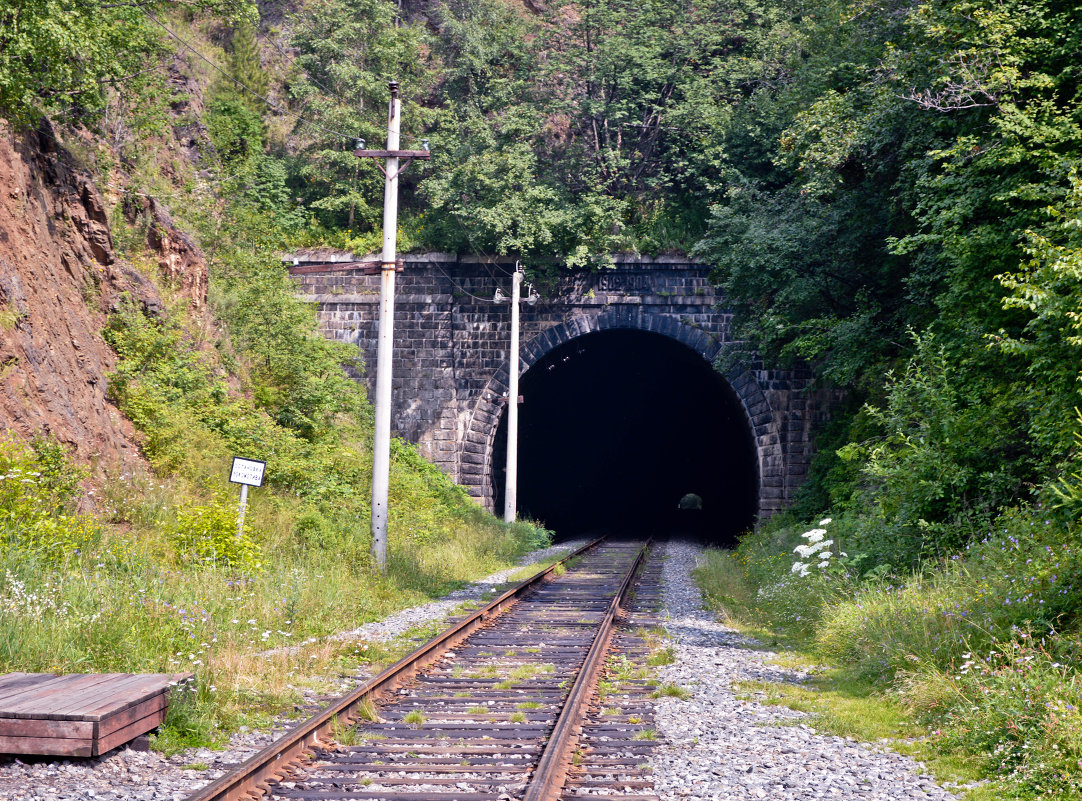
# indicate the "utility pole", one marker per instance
pixel 510 501
pixel 381 448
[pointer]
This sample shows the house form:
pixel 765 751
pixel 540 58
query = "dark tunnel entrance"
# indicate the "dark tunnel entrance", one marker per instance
pixel 616 427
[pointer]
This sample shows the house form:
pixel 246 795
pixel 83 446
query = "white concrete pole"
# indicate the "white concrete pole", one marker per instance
pixel 510 493
pixel 381 448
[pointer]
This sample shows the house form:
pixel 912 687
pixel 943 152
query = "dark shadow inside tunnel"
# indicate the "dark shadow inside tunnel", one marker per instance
pixel 617 427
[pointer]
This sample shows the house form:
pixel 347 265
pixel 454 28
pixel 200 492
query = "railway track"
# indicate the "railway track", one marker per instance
pixel 539 696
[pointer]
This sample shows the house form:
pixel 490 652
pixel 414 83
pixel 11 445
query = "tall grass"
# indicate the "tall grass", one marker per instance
pixel 984 647
pixel 134 599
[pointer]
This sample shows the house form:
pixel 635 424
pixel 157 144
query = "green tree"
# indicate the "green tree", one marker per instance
pixel 246 66
pixel 62 56
pixel 1048 289
pixel 348 53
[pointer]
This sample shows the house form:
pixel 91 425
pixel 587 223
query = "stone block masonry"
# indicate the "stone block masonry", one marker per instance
pixel 451 351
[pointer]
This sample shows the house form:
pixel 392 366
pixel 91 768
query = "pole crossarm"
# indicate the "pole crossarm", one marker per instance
pixel 424 155
pixel 406 155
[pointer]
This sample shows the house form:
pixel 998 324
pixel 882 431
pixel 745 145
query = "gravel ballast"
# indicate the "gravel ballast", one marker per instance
pixel 717 747
pixel 712 746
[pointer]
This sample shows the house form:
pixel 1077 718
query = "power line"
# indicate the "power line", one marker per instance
pixel 250 91
pixel 286 55
pixel 481 255
pixel 457 286
pixel 331 94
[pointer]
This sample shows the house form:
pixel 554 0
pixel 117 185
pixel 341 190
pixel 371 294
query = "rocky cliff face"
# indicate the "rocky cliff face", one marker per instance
pixel 59 278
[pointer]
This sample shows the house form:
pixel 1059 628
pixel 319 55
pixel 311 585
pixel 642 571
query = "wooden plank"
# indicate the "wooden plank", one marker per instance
pixel 65 700
pixel 132 694
pixel 89 703
pixel 46 701
pixel 128 716
pixel 16 683
pixel 129 732
pixel 39 695
pixel 63 729
pixel 112 697
pixel 90 696
pixel 46 746
pixel 18 677
pixel 80 715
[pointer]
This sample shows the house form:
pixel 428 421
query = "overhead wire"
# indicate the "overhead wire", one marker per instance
pixel 332 94
pixel 459 287
pixel 481 255
pixel 249 90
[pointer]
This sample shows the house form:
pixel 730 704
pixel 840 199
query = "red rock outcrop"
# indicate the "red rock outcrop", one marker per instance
pixel 180 259
pixel 59 277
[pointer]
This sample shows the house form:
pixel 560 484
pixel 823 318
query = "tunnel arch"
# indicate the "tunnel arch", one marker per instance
pixel 485 419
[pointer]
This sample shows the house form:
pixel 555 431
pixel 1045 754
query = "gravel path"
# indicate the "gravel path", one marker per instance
pixel 716 747
pixel 134 775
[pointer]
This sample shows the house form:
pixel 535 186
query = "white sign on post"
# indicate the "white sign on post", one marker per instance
pixel 247 471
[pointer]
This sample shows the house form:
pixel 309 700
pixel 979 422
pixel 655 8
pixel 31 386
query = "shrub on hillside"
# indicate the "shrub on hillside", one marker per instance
pixel 38 487
pixel 948 457
pixel 1025 576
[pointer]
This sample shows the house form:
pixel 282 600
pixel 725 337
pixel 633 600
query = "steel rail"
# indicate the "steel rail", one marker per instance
pixel 548 778
pixel 250 780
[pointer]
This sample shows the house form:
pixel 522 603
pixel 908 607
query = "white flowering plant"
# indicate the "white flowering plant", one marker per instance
pixel 816 552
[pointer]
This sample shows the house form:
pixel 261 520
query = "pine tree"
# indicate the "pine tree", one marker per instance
pixel 245 66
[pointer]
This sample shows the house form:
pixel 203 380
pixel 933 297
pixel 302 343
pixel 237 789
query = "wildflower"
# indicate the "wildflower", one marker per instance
pixel 813 548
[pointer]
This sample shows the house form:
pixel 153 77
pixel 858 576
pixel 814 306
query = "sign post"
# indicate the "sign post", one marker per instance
pixel 247 473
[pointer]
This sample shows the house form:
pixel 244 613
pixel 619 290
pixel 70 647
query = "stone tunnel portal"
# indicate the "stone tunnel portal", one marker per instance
pixel 617 426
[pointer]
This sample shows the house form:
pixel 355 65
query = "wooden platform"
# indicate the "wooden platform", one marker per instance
pixel 80 715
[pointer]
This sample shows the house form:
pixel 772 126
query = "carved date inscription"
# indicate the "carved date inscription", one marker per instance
pixel 624 282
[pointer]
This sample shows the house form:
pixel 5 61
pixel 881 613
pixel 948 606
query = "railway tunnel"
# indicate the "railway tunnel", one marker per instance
pixel 617 427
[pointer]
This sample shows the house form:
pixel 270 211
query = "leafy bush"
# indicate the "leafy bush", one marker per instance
pixel 234 128
pixel 207 533
pixel 38 487
pixel 947 457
